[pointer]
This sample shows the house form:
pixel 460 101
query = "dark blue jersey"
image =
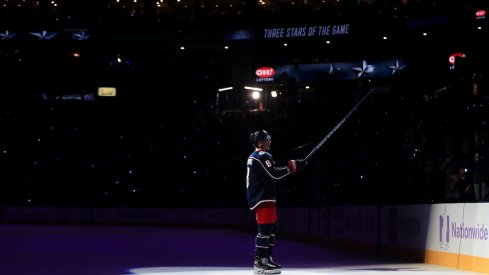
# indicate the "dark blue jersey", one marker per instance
pixel 260 178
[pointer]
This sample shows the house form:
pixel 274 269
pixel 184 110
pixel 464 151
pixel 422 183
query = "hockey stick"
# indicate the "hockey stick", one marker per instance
pixel 342 121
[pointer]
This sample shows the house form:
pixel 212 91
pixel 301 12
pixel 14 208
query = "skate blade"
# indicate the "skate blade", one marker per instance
pixel 263 271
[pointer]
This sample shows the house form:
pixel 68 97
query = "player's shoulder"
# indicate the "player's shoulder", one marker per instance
pixel 260 155
pixel 264 154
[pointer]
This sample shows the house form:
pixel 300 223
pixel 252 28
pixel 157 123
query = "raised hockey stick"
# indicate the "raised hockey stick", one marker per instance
pixel 343 121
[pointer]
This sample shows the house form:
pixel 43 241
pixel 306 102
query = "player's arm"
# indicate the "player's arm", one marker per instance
pixel 271 170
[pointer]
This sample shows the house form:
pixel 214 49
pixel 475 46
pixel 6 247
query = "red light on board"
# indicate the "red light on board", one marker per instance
pixel 480 13
pixel 451 59
pixel 265 72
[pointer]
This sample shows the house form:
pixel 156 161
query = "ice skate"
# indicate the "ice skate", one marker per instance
pixel 263 266
pixel 272 262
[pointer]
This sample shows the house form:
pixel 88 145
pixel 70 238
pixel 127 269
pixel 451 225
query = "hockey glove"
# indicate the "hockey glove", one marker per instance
pixel 296 165
pixel 292 165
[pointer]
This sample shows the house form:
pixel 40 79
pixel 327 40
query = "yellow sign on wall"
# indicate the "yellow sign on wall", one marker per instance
pixel 106 91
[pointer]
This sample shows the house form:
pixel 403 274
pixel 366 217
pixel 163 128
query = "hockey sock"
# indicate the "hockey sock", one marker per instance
pixel 262 241
pixel 271 240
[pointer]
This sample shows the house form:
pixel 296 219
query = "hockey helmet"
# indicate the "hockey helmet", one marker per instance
pixel 259 136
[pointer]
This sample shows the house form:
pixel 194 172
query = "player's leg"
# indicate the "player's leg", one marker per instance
pixel 262 262
pixel 272 246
